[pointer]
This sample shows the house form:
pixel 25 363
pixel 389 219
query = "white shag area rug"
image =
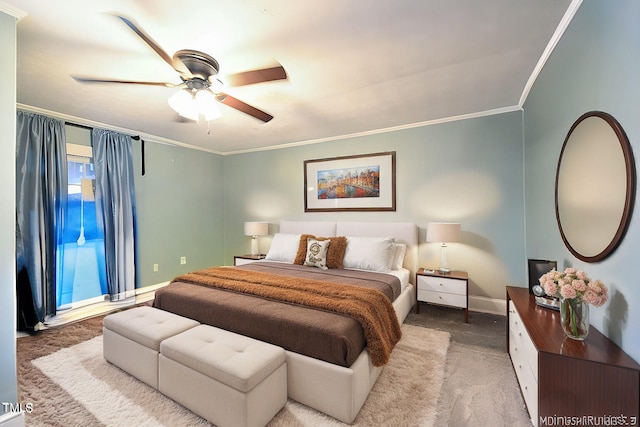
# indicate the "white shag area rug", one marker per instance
pixel 406 392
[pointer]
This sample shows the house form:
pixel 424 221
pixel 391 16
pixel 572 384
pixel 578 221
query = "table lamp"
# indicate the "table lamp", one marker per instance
pixel 256 229
pixel 443 232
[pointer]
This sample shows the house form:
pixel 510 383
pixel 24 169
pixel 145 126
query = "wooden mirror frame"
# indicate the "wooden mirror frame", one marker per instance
pixel 607 245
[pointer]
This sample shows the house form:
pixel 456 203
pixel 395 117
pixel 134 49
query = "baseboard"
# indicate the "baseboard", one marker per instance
pixel 148 292
pixel 488 305
pixel 12 419
pixel 141 295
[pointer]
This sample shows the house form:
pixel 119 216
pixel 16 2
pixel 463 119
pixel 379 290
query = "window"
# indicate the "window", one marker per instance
pixel 83 275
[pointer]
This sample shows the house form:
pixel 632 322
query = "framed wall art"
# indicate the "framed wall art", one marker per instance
pixel 351 183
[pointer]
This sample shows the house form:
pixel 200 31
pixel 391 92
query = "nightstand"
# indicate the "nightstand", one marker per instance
pixel 246 259
pixel 451 289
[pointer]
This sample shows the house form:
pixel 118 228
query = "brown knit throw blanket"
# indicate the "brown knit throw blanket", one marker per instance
pixel 371 308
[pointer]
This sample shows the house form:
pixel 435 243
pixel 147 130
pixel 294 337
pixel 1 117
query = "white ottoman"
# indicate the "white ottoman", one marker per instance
pixel 229 379
pixel 131 339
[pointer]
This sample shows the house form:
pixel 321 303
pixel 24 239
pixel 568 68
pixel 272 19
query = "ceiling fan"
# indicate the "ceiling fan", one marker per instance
pixel 200 86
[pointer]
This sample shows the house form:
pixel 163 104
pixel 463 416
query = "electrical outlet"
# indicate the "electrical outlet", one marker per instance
pixel 183 260
pixel 156 267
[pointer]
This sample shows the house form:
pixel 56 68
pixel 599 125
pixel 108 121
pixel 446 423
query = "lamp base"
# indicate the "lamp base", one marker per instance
pixel 444 265
pixel 255 246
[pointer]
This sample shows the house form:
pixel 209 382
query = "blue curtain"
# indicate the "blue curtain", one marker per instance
pixel 41 197
pixel 115 204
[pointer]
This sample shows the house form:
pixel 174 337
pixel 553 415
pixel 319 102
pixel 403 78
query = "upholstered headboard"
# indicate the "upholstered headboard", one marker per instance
pixel 318 228
pixel 402 232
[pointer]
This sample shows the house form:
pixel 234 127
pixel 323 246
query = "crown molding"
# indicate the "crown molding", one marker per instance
pixel 383 130
pixel 10 9
pixel 557 35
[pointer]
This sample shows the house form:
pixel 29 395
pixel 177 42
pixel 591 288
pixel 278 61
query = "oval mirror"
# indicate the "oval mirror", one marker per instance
pixel 595 186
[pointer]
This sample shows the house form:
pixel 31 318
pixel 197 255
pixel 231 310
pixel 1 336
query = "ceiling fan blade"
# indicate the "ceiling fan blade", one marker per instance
pixel 256 76
pixel 92 80
pixel 242 106
pixel 175 64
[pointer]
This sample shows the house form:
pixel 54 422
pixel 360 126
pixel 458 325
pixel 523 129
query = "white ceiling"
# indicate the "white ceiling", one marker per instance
pixel 354 66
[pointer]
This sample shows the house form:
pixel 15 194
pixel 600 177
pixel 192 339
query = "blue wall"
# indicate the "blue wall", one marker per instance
pixel 179 211
pixel 595 66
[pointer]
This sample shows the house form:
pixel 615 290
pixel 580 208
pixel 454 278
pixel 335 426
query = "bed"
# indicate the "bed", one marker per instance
pixel 334 377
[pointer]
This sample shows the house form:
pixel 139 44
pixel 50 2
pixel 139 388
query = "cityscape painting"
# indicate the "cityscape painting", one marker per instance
pixel 362 182
pixel 349 183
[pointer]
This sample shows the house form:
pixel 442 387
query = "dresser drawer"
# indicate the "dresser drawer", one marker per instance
pixel 524 357
pixel 522 349
pixel 520 345
pixel 442 284
pixel 442 298
pixel 528 386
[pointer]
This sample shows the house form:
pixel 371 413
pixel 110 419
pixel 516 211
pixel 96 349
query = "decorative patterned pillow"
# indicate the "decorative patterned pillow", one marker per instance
pixel 335 255
pixel 317 253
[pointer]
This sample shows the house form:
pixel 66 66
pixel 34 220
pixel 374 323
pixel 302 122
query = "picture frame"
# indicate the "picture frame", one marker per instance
pixel 351 183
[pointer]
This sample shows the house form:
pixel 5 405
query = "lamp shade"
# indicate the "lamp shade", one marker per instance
pixel 256 228
pixel 207 105
pixel 193 105
pixel 444 232
pixel 183 103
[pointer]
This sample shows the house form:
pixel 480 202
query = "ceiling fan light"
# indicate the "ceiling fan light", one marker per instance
pixel 207 105
pixel 184 104
pixel 191 106
pixel 211 115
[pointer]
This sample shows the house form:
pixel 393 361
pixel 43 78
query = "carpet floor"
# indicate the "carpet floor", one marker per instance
pixel 480 387
pixel 62 373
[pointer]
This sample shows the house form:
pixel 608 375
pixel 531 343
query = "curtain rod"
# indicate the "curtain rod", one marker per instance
pixel 134 137
pixel 78 126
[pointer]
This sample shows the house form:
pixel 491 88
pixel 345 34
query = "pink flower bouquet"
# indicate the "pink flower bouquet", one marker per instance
pixel 572 283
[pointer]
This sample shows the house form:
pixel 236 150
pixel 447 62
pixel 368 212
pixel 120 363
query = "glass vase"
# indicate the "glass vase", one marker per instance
pixel 574 318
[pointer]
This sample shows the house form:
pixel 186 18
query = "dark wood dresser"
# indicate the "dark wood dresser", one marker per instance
pixel 591 382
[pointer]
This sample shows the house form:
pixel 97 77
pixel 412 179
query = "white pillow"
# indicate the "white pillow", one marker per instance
pixel 317 253
pixel 399 252
pixel 284 247
pixel 369 253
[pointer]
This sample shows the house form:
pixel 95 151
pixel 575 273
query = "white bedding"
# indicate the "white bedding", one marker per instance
pixel 403 275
